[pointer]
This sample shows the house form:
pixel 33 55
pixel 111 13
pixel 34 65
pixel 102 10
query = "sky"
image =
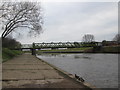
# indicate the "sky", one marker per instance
pixel 70 21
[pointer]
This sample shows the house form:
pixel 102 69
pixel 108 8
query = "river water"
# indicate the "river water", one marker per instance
pixel 100 70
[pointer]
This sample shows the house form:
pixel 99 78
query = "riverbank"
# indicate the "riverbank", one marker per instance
pixel 110 49
pixel 70 76
pixel 8 54
pixel 69 50
pixel 104 49
pixel 27 71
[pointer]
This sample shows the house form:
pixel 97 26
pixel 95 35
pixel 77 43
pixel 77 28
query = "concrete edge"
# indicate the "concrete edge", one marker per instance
pixel 86 84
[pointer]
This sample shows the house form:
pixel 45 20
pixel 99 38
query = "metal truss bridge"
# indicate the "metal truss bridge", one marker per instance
pixel 55 45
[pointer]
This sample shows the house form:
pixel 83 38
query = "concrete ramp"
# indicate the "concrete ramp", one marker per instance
pixel 27 71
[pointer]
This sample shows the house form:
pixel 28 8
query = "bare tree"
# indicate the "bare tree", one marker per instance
pixel 117 38
pixel 21 14
pixel 88 38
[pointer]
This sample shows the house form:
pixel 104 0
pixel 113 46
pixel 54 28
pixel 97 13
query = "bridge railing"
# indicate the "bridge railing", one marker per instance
pixel 66 45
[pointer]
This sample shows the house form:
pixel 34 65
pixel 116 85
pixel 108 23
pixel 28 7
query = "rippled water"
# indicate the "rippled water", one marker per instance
pixel 100 70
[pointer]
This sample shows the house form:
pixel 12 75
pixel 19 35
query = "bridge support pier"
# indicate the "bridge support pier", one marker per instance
pixel 33 49
pixel 54 48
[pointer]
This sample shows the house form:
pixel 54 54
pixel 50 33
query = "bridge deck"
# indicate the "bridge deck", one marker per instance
pixel 27 71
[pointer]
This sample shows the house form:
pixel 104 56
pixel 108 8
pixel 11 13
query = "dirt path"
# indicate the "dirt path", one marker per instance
pixel 26 71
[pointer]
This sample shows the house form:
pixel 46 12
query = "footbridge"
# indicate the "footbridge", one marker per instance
pixel 55 45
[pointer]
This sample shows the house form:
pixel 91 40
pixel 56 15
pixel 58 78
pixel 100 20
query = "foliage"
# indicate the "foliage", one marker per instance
pixel 89 44
pixel 109 43
pixel 111 49
pixel 20 14
pixel 104 43
pixel 10 43
pixel 8 54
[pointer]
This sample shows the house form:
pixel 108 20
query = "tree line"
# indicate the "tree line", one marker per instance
pixel 87 38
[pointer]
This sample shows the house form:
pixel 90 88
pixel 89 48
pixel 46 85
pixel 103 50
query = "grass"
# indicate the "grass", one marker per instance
pixel 111 49
pixel 105 49
pixel 66 50
pixel 8 54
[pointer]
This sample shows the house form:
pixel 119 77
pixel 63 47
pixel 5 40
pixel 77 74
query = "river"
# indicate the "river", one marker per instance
pixel 100 70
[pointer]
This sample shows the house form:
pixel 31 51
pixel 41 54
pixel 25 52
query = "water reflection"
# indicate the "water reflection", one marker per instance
pixel 84 57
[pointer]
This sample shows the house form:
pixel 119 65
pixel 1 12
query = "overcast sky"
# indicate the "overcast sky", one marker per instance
pixel 70 21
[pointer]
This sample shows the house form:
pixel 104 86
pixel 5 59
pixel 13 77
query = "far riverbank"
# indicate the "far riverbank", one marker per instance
pixel 104 49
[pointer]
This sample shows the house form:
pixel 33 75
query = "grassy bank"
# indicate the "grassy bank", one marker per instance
pixel 104 49
pixel 8 54
pixel 82 49
pixel 111 49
